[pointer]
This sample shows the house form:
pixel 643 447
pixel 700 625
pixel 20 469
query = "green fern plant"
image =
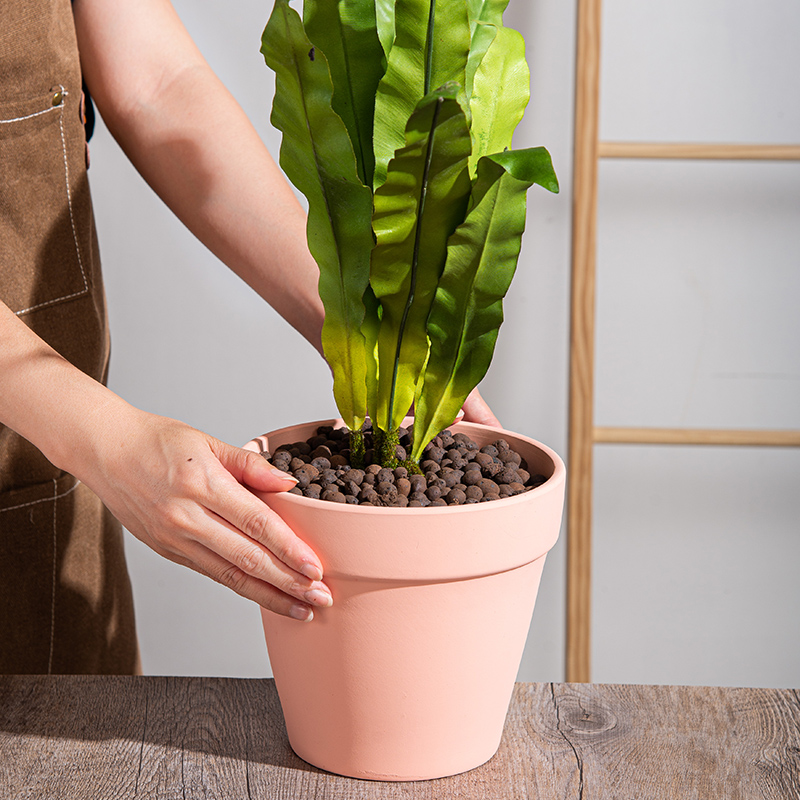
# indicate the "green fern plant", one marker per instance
pixel 397 118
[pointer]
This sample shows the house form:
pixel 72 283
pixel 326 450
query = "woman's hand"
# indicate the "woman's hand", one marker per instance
pixel 183 493
pixel 186 495
pixel 476 409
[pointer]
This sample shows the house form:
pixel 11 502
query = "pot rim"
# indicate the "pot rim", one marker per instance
pixel 259 444
pixel 427 544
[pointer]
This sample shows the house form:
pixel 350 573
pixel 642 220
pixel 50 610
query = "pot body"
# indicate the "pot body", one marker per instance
pixel 409 674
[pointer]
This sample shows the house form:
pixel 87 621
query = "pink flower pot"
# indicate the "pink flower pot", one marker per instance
pixel 409 674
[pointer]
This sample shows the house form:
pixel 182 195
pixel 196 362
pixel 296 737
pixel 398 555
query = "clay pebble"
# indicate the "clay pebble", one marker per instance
pixel 455 471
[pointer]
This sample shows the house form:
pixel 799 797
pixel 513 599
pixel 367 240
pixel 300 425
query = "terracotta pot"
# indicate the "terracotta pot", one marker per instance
pixel 409 674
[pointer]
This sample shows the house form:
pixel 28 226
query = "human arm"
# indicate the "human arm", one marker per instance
pixel 180 491
pixel 196 147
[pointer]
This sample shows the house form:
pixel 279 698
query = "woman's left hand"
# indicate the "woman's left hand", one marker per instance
pixel 476 409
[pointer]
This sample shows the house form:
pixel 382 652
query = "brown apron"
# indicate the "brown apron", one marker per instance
pixel 65 596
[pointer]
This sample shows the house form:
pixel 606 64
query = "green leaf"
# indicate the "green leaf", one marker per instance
pixel 532 165
pixel 421 203
pixel 384 12
pixel 371 328
pixel 430 49
pixel 346 32
pixel 485 17
pixel 482 38
pixel 490 11
pixel 500 92
pixel 468 308
pixel 317 155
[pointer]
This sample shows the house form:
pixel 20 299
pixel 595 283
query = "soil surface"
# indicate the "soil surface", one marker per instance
pixel 455 471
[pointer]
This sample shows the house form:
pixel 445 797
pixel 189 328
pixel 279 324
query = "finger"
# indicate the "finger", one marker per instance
pixel 476 409
pixel 214 566
pixel 245 512
pixel 259 562
pixel 252 469
pixel 201 531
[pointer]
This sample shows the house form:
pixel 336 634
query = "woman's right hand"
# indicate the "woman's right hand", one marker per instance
pixel 183 493
pixel 186 495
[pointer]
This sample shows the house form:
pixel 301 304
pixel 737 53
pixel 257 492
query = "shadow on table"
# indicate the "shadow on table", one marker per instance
pixel 220 717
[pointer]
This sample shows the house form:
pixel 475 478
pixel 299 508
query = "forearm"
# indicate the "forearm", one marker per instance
pixel 171 486
pixel 214 172
pixel 194 145
pixel 49 401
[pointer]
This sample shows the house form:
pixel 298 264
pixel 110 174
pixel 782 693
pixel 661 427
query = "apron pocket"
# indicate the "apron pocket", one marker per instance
pixel 65 597
pixel 30 525
pixel 42 259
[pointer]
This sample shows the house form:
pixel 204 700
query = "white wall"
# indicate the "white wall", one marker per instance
pixel 695 552
pixel 699 271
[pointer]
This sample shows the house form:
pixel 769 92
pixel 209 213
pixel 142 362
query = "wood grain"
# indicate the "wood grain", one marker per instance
pixel 581 357
pixel 701 436
pixel 697 150
pixel 188 738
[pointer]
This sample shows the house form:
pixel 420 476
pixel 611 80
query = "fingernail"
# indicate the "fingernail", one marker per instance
pixel 301 612
pixel 318 597
pixel 311 571
pixel 279 473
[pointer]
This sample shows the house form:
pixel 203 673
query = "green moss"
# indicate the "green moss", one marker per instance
pixel 412 466
pixel 385 447
pixel 357 450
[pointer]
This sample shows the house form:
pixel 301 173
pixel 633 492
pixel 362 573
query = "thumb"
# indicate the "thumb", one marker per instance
pixel 252 469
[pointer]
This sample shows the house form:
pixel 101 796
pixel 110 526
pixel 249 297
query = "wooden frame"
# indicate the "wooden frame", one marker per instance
pixel 583 434
pixel 696 150
pixel 581 352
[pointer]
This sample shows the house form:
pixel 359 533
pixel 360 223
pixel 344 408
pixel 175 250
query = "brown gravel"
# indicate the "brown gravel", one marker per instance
pixel 455 471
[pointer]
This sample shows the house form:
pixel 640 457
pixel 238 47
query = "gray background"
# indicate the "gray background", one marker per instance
pixel 696 551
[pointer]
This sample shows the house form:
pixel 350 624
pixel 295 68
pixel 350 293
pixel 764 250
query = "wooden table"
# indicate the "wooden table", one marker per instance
pixel 104 737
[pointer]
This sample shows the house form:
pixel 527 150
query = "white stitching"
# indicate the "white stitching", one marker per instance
pixel 55 575
pixel 30 116
pixel 85 289
pixel 52 500
pixel 43 500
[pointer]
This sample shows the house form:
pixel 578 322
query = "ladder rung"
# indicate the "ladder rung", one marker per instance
pixel 755 438
pixel 736 152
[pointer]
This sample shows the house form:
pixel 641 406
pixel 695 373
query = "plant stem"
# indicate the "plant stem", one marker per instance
pixel 357 450
pixel 412 466
pixel 429 49
pixel 415 254
pixel 385 447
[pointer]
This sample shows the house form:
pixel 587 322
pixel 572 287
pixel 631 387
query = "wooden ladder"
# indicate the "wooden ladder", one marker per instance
pixel 583 434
